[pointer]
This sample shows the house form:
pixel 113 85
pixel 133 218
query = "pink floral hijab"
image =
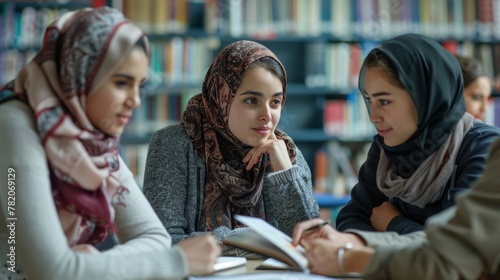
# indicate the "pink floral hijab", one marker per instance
pixel 79 52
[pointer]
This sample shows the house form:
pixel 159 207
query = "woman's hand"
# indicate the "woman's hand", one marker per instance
pixel 382 215
pixel 277 151
pixel 322 256
pixel 326 232
pixel 201 253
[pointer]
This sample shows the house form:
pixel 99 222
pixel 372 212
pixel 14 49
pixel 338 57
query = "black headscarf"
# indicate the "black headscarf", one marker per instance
pixel 433 78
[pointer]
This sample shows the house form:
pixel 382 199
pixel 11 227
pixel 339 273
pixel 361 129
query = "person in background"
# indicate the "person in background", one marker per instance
pixel 477 86
pixel 427 148
pixel 64 187
pixel 461 242
pixel 228 156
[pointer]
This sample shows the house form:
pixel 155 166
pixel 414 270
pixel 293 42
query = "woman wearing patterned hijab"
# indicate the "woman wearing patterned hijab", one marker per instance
pixel 228 156
pixel 427 148
pixel 68 187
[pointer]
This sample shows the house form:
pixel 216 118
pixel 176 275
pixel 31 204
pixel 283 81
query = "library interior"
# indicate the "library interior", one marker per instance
pixel 320 42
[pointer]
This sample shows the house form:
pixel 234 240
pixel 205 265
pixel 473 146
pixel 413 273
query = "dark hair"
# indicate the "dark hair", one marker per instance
pixel 471 69
pixel 377 59
pixel 270 64
pixel 142 44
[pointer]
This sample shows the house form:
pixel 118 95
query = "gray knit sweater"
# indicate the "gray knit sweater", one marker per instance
pixel 174 183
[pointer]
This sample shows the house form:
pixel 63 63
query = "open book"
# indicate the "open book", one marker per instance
pixel 269 241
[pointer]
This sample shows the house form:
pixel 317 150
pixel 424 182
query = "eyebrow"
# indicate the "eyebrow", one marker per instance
pixel 128 77
pixel 259 94
pixel 377 94
pixel 119 75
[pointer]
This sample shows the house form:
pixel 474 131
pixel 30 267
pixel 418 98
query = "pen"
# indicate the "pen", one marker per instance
pixel 320 225
pixel 317 226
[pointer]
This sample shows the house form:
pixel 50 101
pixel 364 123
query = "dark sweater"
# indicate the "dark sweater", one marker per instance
pixel 365 196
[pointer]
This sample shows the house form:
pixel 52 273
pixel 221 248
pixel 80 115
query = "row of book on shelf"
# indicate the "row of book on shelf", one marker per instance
pixel 24 28
pixel 157 16
pixel 376 19
pixel 336 65
pixel 184 60
pixel 346 20
pixel 336 168
pixel 157 111
pixel 180 60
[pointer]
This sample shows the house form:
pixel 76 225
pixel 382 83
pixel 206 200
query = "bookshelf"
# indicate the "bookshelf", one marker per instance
pixel 320 42
pixel 22 25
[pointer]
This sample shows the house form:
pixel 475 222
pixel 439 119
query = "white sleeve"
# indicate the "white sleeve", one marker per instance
pixel 41 249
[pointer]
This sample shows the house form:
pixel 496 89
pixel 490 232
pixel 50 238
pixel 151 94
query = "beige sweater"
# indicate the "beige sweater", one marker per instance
pixel 41 250
pixel 460 244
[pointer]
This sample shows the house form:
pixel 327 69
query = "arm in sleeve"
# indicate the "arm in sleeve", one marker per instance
pixel 403 225
pixel 463 248
pixel 288 196
pixel 375 238
pixel 364 196
pixel 174 184
pixel 167 178
pixel 41 246
pixel 471 160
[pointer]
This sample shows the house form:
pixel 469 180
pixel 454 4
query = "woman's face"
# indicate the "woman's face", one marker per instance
pixel 110 107
pixel 476 96
pixel 256 107
pixel 392 109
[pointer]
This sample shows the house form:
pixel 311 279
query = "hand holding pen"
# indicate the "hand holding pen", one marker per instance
pixel 310 229
pixel 319 228
pixel 312 232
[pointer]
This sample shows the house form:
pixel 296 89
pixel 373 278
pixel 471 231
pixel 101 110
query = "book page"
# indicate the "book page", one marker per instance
pixel 225 262
pixel 277 237
pixel 254 242
pixel 274 264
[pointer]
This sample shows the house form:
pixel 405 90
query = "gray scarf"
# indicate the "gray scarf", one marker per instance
pixel 426 184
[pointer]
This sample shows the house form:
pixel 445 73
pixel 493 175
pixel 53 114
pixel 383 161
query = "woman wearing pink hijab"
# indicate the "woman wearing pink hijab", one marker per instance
pixel 64 186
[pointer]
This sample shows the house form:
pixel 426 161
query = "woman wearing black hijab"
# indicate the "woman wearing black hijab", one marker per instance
pixel 427 148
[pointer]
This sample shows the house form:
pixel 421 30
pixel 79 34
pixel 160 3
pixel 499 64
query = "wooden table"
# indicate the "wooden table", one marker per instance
pixel 249 268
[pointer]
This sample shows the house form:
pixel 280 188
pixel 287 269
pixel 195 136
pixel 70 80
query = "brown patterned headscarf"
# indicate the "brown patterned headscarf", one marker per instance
pixel 229 187
pixel 79 53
